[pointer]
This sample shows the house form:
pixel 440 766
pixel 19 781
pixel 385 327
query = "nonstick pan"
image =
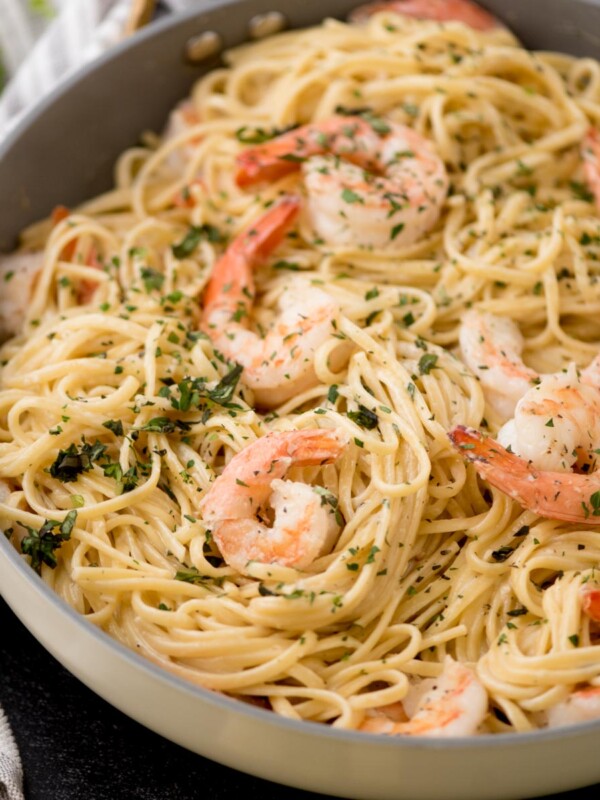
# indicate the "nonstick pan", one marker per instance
pixel 64 153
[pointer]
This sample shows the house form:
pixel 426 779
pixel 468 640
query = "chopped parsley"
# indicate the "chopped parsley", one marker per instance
pixel 349 196
pixel 502 553
pixel 114 425
pixel 73 461
pixel 193 237
pixel 426 363
pixel 581 191
pixel 397 229
pixel 517 612
pixel 364 417
pixel 193 392
pixel 41 544
pixel 190 575
pixel 152 278
pixel 248 135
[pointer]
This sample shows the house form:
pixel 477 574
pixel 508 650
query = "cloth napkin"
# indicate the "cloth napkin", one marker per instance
pixel 11 774
pixel 42 42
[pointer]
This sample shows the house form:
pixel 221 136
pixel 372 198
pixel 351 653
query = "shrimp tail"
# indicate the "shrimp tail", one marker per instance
pixel 566 496
pixel 264 165
pixel 264 236
pixel 286 153
pixel 485 452
pixel 437 10
pixel 311 448
pixel 231 282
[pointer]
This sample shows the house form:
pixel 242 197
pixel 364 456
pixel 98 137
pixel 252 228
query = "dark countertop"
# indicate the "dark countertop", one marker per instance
pixel 75 746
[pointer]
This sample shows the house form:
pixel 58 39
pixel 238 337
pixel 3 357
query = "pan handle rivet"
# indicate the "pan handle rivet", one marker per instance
pixel 200 48
pixel 267 24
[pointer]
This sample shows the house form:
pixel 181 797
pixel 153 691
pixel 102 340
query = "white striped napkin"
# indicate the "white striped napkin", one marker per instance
pixel 41 47
pixel 11 774
pixel 44 41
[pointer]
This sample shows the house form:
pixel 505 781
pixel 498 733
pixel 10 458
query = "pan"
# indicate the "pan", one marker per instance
pixel 63 153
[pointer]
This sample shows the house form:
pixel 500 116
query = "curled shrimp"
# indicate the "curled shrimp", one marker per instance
pixel 555 418
pixel 568 496
pixel 580 706
pixel 453 705
pixel 182 119
pixel 590 152
pixel 280 365
pixel 370 182
pixel 556 423
pixel 305 523
pixel 437 10
pixel 18 275
pixel 491 346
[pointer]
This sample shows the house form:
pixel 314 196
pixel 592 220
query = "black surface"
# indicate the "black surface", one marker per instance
pixel 75 746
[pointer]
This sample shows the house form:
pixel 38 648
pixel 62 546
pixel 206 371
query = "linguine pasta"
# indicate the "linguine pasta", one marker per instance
pixel 116 413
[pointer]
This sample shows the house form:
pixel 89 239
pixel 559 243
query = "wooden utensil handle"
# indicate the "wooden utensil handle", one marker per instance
pixel 140 14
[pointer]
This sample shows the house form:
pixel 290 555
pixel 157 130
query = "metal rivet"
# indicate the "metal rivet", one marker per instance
pixel 202 47
pixel 263 25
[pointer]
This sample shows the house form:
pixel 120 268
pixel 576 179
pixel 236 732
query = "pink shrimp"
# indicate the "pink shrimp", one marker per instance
pixel 18 276
pixel 491 347
pixel 580 706
pixel 370 182
pixel 590 152
pixel 453 705
pixel 305 524
pixel 437 10
pixel 87 288
pixel 281 364
pixel 590 602
pixel 19 273
pixel 182 119
pixel 567 496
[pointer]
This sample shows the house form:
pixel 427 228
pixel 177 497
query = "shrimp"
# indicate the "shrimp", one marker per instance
pixel 453 705
pixel 18 274
pixel 305 524
pixel 18 277
pixel 590 603
pixel 580 706
pixel 281 364
pixel 183 117
pixel 590 152
pixel 491 347
pixel 568 496
pixel 370 182
pixel 463 11
pixel 555 423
